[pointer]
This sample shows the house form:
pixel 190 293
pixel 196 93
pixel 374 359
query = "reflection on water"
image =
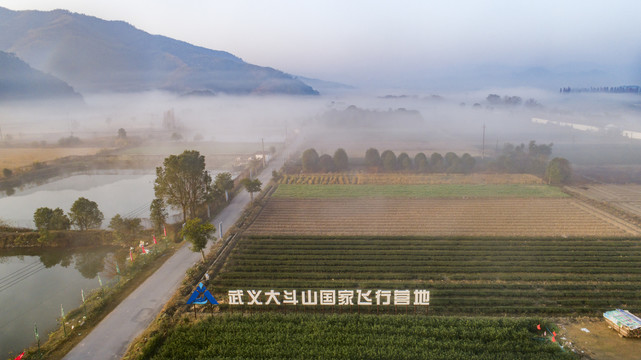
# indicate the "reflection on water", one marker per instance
pixel 34 283
pixel 128 195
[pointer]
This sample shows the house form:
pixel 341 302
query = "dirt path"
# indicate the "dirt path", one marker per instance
pixel 600 343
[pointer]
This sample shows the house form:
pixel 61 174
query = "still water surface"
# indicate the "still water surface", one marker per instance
pixel 126 194
pixel 33 285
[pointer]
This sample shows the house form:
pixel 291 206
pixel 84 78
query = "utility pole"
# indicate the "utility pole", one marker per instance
pixel 263 141
pixel 483 150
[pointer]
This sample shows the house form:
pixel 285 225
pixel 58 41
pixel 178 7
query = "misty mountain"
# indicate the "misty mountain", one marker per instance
pixel 324 85
pixel 95 55
pixel 19 81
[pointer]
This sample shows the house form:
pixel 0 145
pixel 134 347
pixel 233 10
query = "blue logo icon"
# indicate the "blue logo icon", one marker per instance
pixel 201 295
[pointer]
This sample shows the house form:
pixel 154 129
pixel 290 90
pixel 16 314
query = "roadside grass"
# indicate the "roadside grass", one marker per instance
pixel 417 191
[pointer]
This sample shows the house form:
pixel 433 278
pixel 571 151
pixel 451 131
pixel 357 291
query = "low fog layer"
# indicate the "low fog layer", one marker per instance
pixel 446 121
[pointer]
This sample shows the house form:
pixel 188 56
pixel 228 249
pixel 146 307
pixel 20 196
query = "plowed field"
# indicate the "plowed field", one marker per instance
pixel 623 197
pixel 539 217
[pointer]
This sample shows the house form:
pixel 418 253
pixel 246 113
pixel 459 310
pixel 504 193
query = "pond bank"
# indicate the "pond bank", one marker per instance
pixel 15 238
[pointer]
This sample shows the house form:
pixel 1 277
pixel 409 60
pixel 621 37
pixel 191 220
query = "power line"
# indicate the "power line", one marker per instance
pixel 21 278
pixel 19 270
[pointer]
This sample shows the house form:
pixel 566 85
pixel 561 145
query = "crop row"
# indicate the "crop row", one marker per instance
pixel 352 336
pixel 566 276
pixel 459 191
pixel 436 217
pixel 411 179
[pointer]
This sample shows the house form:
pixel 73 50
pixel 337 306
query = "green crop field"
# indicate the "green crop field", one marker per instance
pixel 307 336
pixel 417 191
pixel 466 276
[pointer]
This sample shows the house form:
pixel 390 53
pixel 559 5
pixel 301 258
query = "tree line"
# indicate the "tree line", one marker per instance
pixel 387 161
pixel 531 159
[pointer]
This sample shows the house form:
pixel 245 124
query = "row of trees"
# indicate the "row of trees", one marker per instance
pixel 84 214
pixel 325 163
pixel 532 159
pixel 389 162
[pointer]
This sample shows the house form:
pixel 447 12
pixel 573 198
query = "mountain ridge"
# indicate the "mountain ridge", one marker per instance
pixel 96 55
pixel 19 81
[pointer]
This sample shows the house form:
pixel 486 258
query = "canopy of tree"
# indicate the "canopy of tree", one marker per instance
pixel 84 214
pixel 183 182
pixel 197 233
pixel 46 219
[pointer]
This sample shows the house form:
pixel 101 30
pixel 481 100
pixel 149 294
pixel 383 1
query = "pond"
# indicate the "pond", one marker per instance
pixel 126 194
pixel 35 283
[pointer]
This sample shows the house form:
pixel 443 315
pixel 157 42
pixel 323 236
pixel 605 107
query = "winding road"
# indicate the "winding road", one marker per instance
pixel 111 337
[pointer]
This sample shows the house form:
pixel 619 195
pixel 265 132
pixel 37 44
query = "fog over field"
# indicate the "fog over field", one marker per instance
pixel 447 121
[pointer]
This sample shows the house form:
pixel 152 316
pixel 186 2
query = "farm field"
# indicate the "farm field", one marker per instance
pixel 465 276
pixel 460 191
pixel 410 179
pixel 306 336
pixel 538 217
pixel 13 158
pixel 623 197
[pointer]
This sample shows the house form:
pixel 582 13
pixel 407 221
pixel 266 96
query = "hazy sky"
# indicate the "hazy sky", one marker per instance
pixel 388 43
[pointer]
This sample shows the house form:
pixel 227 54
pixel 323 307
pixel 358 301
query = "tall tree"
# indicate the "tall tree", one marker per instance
pixel 224 183
pixel 420 163
pixel 310 160
pixel 558 171
pixel 46 219
pixel 197 233
pixel 403 162
pixel 84 214
pixel 251 186
pixel 340 160
pixel 183 182
pixel 467 163
pixel 437 163
pixel 372 158
pixel 452 162
pixel 158 215
pixel 388 159
pixel 326 163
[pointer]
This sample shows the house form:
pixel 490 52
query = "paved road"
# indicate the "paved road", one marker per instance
pixel 110 339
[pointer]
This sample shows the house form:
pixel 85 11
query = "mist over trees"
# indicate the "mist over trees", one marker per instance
pixel 521 159
pixel 387 161
pixel 558 172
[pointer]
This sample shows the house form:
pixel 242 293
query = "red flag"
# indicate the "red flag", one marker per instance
pixel 538 327
pixel 131 256
pixel 155 240
pixel 19 356
pixel 164 229
pixel 554 333
pixel 553 339
pixel 143 249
